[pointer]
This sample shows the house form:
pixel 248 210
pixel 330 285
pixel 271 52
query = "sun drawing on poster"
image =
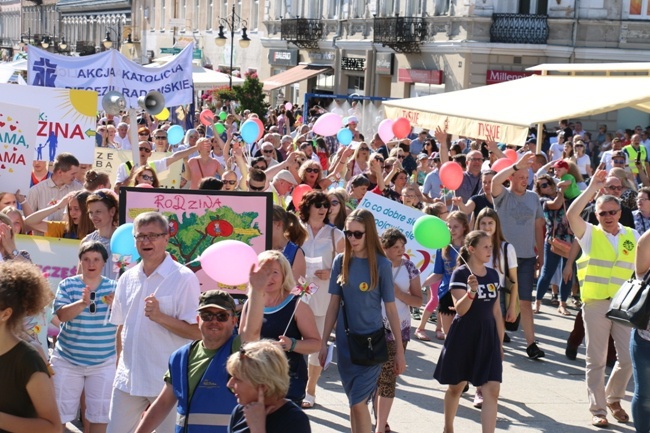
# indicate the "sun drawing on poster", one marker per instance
pixel 78 103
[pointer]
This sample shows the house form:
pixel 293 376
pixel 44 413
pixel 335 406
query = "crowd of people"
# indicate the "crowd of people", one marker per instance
pixel 143 349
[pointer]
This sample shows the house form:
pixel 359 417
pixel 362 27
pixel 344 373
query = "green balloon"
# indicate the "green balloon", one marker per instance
pixel 431 232
pixel 223 115
pixel 220 128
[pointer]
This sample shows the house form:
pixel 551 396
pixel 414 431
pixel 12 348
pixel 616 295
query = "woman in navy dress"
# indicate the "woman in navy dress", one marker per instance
pixel 472 350
pixel 362 275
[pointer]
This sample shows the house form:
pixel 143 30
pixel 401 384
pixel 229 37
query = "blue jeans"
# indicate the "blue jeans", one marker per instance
pixel 551 262
pixel 640 353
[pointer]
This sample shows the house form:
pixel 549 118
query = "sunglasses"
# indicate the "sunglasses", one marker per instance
pixel 256 188
pixel 614 188
pixel 93 305
pixel 259 167
pixel 222 317
pixel 401 157
pixel 356 234
pixel 268 151
pixel 476 159
pixel 230 182
pixel 388 167
pixel 312 170
pixel 334 203
pixel 143 133
pixel 608 212
pixel 161 138
pixel 544 185
pixel 363 148
pixel 144 149
pixel 324 204
pixel 618 161
pixel 579 145
pixel 147 177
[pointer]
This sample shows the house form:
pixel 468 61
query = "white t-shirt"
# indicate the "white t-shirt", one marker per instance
pixel 512 262
pixel 582 164
pixel 556 151
pixel 606 158
pixel 160 166
pixel 125 143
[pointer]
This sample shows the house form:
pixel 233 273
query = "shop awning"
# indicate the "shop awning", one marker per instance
pixel 505 111
pixel 293 75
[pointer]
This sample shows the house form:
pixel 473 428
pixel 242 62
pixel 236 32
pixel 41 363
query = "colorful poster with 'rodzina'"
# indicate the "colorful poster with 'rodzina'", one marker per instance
pixel 66 120
pixel 17 140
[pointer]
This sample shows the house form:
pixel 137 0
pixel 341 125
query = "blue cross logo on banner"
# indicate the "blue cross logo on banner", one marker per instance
pixel 45 73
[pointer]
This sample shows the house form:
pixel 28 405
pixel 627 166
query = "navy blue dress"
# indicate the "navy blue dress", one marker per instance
pixel 472 350
pixel 363 306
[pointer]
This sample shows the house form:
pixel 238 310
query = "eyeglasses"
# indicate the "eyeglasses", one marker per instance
pixel 618 161
pixel 335 203
pixel 641 199
pixel 222 317
pixel 476 159
pixel 312 170
pixel 161 138
pixel 381 160
pixel 614 188
pixel 356 234
pixel 93 305
pixel 324 204
pixel 151 237
pixel 544 185
pixel 608 212
pixel 229 182
pixel 255 188
pixel 409 195
pixel 147 177
pixel 144 149
pixel 268 151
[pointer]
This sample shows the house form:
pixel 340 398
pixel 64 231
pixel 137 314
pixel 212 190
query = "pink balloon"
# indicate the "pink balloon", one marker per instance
pixel 206 117
pixel 288 106
pixel 260 125
pixel 501 163
pixel 385 130
pixel 328 124
pixel 143 185
pixel 229 262
pixel 402 128
pixel 298 193
pixel 451 175
pixel 511 154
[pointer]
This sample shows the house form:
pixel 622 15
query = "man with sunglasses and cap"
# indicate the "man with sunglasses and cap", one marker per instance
pixel 196 380
pixel 126 170
pixel 607 261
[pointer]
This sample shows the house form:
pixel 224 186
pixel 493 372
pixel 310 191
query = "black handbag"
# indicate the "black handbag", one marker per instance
pixel 365 349
pixel 507 290
pixel 631 304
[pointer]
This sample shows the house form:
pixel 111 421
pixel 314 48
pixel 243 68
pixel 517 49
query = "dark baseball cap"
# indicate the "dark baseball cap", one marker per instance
pixel 216 299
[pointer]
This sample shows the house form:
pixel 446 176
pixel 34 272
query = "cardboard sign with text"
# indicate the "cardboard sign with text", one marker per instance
pixel 389 213
pixel 108 160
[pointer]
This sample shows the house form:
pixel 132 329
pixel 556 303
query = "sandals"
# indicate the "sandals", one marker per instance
pixel 308 402
pixel 421 335
pixel 599 421
pixel 554 300
pixel 618 412
pixel 563 311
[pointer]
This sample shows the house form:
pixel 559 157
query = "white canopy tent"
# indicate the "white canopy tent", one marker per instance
pixel 505 111
pixel 204 79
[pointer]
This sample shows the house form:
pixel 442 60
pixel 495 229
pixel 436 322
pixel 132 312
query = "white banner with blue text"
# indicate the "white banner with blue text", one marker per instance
pixel 110 70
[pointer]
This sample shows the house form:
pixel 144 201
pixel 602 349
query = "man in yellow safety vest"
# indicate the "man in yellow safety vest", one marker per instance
pixel 608 251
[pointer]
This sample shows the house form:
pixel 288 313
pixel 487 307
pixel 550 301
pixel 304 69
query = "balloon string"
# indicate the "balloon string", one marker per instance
pixel 452 204
pixel 291 318
pixel 461 257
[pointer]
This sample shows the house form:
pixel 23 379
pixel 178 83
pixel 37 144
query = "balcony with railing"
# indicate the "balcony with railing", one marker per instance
pixel 302 32
pixel 402 34
pixel 519 29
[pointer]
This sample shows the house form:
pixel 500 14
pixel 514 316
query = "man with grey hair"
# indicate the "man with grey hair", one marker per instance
pixel 122 136
pixel 268 152
pixel 155 311
pixel 607 261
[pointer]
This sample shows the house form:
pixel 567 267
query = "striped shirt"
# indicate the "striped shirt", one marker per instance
pixel 85 340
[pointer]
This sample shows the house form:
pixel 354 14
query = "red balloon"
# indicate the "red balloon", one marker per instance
pixel 260 125
pixel 501 163
pixel 297 194
pixel 511 154
pixel 451 175
pixel 401 128
pixel 143 185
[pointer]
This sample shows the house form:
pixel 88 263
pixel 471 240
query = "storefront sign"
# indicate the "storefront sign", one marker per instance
pixel 384 64
pixel 283 57
pixel 322 56
pixel 420 76
pixel 494 76
pixel 353 64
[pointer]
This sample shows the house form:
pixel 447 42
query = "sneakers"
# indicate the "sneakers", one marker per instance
pixel 478 399
pixel 534 352
pixel 415 313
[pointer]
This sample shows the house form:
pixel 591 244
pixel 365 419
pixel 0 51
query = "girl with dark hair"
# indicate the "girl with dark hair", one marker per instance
pixel 364 281
pixel 472 351
pixel 27 400
pixel 337 212
pixel 94 180
pixel 145 175
pixel 288 237
pixel 322 244
pixel 77 225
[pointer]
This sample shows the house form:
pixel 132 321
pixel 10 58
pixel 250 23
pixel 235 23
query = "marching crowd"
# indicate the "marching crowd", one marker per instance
pixel 144 349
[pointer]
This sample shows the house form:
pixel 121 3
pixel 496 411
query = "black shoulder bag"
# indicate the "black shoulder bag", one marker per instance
pixel 631 304
pixel 365 349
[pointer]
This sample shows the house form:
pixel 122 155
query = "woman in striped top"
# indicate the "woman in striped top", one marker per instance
pixel 84 355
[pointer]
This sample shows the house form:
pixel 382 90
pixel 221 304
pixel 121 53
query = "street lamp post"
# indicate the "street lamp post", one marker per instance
pixel 108 42
pixel 221 39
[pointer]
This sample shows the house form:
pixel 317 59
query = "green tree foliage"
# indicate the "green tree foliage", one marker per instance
pixel 251 97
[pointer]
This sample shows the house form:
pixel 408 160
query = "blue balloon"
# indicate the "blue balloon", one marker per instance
pixel 249 131
pixel 344 136
pixel 175 135
pixel 123 242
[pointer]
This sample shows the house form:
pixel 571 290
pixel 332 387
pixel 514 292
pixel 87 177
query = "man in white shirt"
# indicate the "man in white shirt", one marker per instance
pixel 607 156
pixel 155 311
pixel 122 136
